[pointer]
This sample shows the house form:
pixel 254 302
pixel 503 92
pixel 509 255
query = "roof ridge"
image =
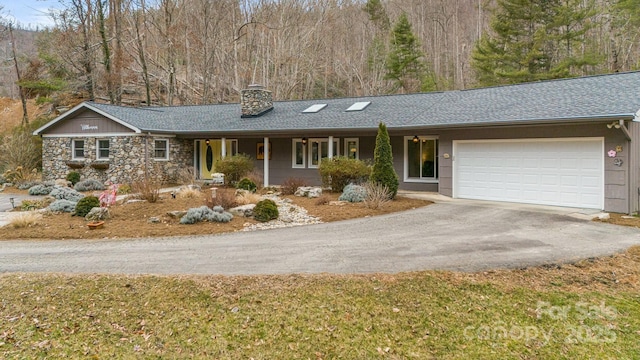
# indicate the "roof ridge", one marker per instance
pixel 551 80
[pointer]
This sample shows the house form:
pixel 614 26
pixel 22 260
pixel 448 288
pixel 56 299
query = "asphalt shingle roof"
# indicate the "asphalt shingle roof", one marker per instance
pixel 590 97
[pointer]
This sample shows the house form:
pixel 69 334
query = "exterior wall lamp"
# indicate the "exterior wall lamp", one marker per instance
pixel 304 141
pixel 416 139
pixel 207 141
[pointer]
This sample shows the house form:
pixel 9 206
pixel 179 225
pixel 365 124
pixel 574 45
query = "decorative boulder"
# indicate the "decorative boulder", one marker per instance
pixel 243 210
pixel 309 191
pixel 63 183
pixel 177 214
pixel 98 213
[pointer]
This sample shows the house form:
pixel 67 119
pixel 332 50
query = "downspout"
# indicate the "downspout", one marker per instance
pixel 630 186
pixel 624 129
pixel 146 157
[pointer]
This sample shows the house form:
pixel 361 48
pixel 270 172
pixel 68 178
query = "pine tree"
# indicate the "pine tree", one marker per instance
pixel 406 65
pixel 534 40
pixel 383 172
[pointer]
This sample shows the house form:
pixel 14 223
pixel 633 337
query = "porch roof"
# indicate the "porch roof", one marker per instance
pixel 592 98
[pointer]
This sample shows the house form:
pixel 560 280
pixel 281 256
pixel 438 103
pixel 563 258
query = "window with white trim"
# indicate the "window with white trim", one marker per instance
pixel 77 149
pixel 319 149
pixel 352 148
pixel 161 149
pixel 298 159
pixel 421 158
pixel 102 148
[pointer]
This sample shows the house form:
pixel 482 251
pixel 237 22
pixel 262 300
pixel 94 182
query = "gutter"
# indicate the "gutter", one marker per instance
pixel 523 122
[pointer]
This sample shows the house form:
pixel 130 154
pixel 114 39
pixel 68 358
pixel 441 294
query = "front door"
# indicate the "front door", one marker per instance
pixel 211 151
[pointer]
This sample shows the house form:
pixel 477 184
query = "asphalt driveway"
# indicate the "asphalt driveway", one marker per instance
pixel 450 235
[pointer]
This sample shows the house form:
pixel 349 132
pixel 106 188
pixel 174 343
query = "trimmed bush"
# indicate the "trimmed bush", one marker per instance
pixel 84 205
pixel 27 185
pixel 265 210
pixel 383 172
pixel 63 206
pixel 40 189
pixel 247 184
pixel 204 213
pixel 353 193
pixel 65 193
pixel 234 167
pixel 73 176
pixel 89 185
pixel 336 173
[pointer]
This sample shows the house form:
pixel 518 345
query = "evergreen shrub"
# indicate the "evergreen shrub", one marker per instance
pixel 265 210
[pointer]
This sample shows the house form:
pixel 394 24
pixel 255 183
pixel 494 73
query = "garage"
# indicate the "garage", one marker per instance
pixel 561 172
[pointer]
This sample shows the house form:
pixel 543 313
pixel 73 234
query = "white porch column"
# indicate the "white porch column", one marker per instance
pixel 266 162
pixel 330 147
pixel 223 151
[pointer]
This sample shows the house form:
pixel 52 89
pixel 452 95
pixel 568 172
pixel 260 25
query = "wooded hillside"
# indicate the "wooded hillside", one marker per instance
pixel 202 51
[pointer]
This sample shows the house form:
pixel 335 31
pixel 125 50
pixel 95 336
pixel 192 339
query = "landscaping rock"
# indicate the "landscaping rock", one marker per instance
pixel 243 210
pixel 309 191
pixel 63 183
pixel 337 203
pixel 131 201
pixel 177 214
pixel 98 214
pixel 604 216
pixel 289 215
pixel 154 220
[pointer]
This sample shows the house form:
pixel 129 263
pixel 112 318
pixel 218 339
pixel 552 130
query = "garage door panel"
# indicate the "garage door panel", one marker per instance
pixel 565 172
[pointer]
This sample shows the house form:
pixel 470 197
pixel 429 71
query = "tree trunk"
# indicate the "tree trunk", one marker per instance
pixel 23 98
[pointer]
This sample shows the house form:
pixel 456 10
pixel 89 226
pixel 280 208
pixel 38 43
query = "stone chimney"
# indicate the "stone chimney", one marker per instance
pixel 255 101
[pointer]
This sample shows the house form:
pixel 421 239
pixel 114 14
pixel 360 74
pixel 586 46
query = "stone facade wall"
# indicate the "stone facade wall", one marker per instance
pixel 126 163
pixel 255 101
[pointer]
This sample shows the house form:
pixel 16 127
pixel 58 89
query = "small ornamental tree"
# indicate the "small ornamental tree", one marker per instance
pixel 383 172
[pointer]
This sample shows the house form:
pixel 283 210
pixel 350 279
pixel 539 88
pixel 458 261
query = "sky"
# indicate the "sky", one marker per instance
pixel 29 13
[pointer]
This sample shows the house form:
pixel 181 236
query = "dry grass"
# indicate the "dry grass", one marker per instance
pixel 256 176
pixel 290 185
pixel 25 219
pixel 186 176
pixel 148 189
pixel 245 198
pixel 186 192
pixel 377 196
pixel 420 315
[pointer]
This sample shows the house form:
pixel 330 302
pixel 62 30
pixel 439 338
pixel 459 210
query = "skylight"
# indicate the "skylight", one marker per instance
pixel 314 108
pixel 359 106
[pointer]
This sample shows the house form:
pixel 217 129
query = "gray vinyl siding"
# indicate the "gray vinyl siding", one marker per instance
pixel 92 119
pixel 634 167
pixel 616 185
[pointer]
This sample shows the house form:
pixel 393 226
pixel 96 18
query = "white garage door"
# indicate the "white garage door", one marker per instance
pixel 562 172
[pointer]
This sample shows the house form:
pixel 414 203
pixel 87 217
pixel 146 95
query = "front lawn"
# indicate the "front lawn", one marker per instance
pixel 590 309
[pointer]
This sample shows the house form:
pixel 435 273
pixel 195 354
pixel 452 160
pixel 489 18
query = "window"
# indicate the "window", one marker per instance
pixel 421 160
pixel 77 149
pixel 314 108
pixel 352 148
pixel 319 149
pixel 161 149
pixel 103 149
pixel 298 160
pixel 359 106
